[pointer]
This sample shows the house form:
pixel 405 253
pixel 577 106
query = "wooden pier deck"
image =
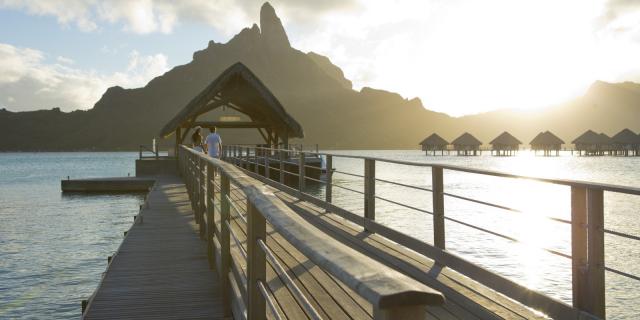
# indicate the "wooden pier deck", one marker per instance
pixel 160 270
pixel 226 242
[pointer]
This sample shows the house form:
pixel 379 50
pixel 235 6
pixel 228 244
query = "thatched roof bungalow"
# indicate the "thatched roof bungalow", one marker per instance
pixel 467 145
pixel 505 144
pixel 547 142
pixel 592 143
pixel 434 143
pixel 625 142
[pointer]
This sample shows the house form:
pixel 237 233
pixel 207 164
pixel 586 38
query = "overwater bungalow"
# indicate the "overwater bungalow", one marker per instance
pixel 467 145
pixel 547 142
pixel 505 145
pixel 592 144
pixel 434 143
pixel 625 143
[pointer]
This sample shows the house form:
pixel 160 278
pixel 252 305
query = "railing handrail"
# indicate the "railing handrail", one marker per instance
pixel 566 182
pixel 380 285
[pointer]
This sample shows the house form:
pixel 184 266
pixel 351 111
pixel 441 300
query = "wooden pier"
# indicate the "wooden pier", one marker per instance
pixel 228 242
pixel 160 270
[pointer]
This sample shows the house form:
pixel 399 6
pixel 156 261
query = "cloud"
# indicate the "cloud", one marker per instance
pixel 151 16
pixel 29 82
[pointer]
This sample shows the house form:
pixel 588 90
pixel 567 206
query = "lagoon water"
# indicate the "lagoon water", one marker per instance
pixel 53 247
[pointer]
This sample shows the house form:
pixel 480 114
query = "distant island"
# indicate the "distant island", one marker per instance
pixel 315 92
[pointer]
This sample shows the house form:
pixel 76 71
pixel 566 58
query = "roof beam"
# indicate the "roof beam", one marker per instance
pixel 228 124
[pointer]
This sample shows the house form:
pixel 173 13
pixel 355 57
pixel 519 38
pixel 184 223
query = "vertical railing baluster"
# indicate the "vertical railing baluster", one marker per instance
pixel 329 179
pixel 437 184
pixel 579 280
pixel 225 248
pixel 369 191
pixel 595 254
pixel 210 198
pixel 301 171
pixel 256 263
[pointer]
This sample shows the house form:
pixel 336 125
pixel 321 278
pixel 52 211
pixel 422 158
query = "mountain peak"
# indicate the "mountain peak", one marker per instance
pixel 273 33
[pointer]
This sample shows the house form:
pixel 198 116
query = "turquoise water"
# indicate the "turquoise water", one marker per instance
pixel 53 247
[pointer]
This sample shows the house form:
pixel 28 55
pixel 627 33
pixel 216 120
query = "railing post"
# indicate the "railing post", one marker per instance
pixel 225 248
pixel 579 248
pixel 281 156
pixel 301 170
pixel 595 252
pixel 255 160
pixel 210 215
pixel 329 179
pixel 369 191
pixel 201 196
pixel 437 184
pixel 246 158
pixel 266 164
pixel 256 263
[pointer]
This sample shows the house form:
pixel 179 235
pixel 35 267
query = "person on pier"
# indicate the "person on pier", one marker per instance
pixel 196 140
pixel 214 143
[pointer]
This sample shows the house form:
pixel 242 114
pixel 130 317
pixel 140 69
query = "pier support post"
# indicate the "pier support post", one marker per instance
pixel 301 170
pixel 282 153
pixel 329 179
pixel 369 191
pixel 256 263
pixel 438 207
pixel 225 248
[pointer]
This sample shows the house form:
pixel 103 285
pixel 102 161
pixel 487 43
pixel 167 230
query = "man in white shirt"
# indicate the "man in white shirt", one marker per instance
pixel 214 143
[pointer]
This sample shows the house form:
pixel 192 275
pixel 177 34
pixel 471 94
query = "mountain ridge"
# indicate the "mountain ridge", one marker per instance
pixel 314 91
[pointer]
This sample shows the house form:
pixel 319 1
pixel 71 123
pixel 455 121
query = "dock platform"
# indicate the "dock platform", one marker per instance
pixel 108 185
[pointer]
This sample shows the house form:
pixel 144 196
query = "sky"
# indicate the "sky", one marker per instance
pixel 458 56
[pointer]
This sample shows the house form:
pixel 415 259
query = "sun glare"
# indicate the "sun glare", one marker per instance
pixel 475 58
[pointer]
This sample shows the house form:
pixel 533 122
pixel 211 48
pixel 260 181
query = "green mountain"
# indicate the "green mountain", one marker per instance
pixel 314 91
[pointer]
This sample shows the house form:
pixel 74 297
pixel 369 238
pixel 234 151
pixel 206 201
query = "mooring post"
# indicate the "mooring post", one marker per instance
pixel 329 179
pixel 301 171
pixel 225 248
pixel 369 191
pixel 256 263
pixel 595 252
pixel 210 196
pixel 437 184
pixel 579 280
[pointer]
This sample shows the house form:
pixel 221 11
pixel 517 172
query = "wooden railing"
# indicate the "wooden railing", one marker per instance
pixel 587 222
pixel 391 293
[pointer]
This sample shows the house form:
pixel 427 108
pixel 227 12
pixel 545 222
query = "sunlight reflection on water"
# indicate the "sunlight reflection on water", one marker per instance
pixel 524 262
